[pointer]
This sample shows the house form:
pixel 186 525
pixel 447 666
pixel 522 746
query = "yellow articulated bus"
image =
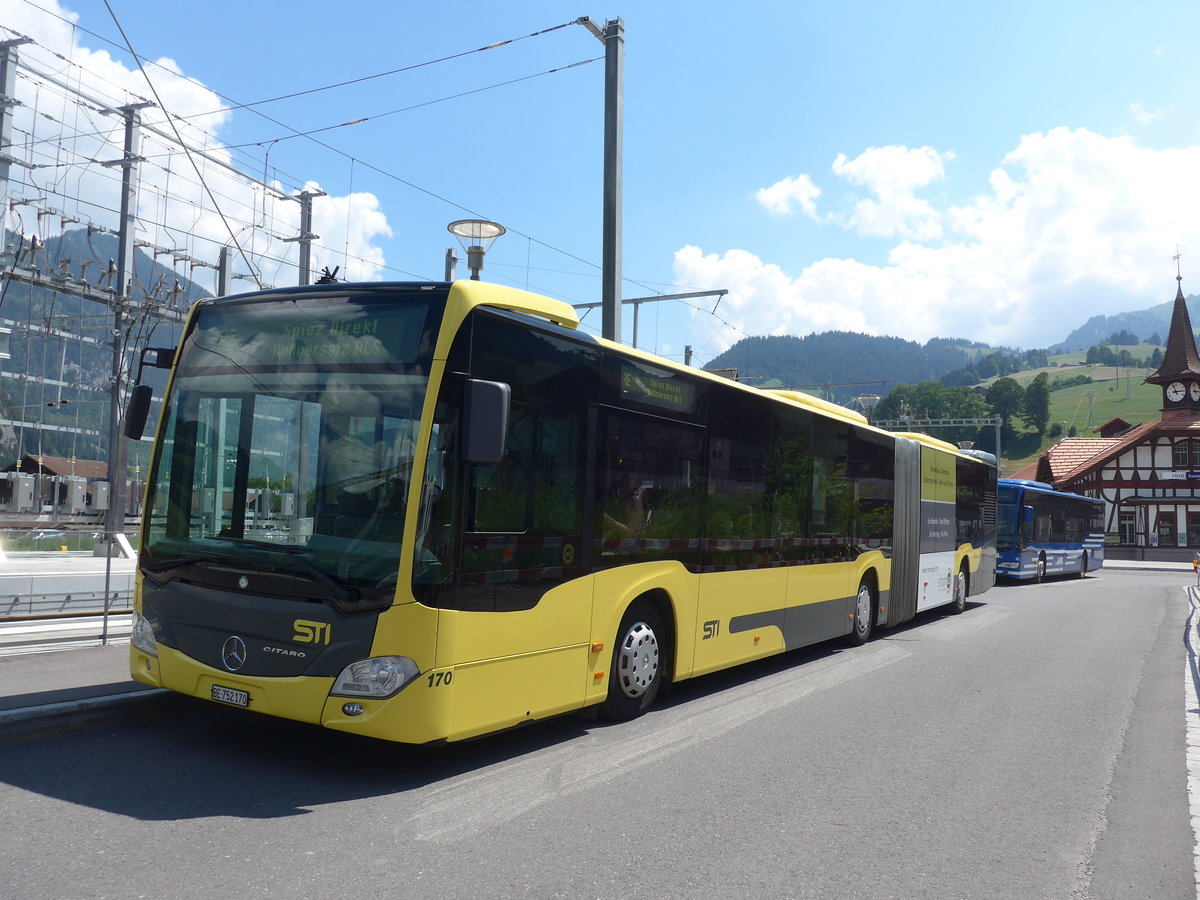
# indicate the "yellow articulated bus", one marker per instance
pixel 426 512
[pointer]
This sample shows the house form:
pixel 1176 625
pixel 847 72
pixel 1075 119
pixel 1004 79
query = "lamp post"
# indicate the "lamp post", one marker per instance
pixel 868 402
pixel 476 237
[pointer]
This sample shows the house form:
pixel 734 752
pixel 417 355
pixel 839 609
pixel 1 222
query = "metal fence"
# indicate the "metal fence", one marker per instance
pixel 25 606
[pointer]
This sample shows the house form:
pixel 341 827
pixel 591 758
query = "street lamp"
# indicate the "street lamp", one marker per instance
pixel 868 402
pixel 476 237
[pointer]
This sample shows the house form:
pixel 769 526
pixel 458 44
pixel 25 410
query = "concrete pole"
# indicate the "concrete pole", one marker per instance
pixel 305 241
pixel 306 236
pixel 614 103
pixel 8 100
pixel 223 276
pixel 121 295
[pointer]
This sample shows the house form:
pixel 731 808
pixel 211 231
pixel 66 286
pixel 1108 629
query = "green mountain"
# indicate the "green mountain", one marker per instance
pixel 843 364
pixel 1142 322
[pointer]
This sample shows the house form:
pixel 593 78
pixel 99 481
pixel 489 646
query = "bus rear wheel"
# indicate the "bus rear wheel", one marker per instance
pixel 1083 565
pixel 959 603
pixel 637 664
pixel 864 615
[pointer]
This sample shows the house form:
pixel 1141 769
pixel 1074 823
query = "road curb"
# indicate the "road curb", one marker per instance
pixel 77 715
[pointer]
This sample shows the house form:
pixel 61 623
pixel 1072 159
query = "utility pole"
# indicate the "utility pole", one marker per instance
pixel 8 100
pixel 613 38
pixel 121 292
pixel 306 236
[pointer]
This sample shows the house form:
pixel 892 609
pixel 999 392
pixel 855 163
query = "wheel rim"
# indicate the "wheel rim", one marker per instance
pixel 862 610
pixel 960 589
pixel 638 660
pixel 1041 569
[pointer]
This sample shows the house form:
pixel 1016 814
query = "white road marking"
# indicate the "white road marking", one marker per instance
pixel 503 792
pixel 1191 671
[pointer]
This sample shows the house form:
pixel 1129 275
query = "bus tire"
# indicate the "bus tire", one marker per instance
pixel 1083 565
pixel 1039 569
pixel 864 614
pixel 959 603
pixel 636 672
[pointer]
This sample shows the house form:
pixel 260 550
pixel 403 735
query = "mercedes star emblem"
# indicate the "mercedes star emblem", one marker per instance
pixel 233 653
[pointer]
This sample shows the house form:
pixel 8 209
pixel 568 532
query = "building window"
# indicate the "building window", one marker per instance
pixel 1187 454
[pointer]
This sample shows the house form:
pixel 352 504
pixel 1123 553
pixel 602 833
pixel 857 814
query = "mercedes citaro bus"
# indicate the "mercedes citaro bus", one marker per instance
pixel 426 512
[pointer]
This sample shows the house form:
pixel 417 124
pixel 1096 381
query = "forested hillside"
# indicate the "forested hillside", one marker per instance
pixel 855 361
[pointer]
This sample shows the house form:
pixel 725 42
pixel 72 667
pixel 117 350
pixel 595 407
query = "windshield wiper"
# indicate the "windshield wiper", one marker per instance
pixel 342 592
pixel 164 565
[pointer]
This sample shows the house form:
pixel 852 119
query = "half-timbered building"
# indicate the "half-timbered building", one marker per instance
pixel 1148 475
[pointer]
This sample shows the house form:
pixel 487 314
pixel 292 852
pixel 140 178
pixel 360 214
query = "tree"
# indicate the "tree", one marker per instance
pixel 1006 398
pixel 1124 338
pixel 1036 407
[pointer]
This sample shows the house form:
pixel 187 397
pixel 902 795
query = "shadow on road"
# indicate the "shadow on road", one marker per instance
pixel 209 761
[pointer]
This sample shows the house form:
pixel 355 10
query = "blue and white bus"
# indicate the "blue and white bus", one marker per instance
pixel 1046 532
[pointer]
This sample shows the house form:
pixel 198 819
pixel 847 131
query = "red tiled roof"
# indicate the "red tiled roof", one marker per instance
pixel 1065 457
pixel 1177 424
pixel 1026 473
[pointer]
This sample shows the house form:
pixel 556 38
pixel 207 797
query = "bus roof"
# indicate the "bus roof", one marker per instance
pixel 1042 488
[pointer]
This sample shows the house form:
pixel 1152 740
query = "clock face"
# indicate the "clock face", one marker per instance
pixel 1194 391
pixel 1175 391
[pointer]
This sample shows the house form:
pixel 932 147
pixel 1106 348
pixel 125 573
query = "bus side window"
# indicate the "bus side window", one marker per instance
pixel 1026 526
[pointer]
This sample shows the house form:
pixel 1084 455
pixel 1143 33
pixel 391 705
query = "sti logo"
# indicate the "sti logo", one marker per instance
pixel 711 629
pixel 311 632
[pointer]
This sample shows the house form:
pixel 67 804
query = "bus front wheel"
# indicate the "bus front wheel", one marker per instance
pixel 637 664
pixel 1039 570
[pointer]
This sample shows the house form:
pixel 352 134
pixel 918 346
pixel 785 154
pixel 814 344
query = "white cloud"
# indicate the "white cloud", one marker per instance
pixel 798 192
pixel 1073 224
pixel 1143 116
pixel 175 205
pixel 893 174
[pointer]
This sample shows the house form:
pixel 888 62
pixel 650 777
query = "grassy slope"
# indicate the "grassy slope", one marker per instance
pixel 1130 399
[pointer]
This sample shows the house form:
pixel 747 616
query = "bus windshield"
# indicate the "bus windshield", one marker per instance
pixel 287 448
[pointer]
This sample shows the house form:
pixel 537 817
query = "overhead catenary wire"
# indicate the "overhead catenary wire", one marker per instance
pixel 185 239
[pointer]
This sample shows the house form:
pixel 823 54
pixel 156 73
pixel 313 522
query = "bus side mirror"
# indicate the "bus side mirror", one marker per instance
pixel 136 414
pixel 139 399
pixel 485 413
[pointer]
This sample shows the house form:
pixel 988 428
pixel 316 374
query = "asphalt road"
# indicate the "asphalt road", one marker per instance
pixel 1033 747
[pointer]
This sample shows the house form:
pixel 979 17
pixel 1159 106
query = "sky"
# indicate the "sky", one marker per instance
pixel 999 172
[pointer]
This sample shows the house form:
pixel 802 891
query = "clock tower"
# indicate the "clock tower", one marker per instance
pixel 1179 374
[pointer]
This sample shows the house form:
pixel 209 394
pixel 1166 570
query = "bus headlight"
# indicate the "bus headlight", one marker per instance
pixel 380 676
pixel 142 636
